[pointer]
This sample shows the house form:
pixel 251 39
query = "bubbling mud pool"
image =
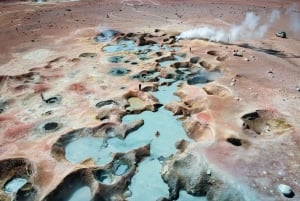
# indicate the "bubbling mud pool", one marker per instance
pixel 137 133
pixel 162 146
pixel 161 129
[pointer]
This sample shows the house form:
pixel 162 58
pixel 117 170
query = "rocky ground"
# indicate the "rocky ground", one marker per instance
pixel 131 100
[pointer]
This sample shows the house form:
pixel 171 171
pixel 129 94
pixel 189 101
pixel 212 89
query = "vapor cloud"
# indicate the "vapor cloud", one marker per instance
pixel 249 28
pixel 294 17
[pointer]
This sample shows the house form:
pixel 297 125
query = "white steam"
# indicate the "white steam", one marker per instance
pixel 294 17
pixel 250 28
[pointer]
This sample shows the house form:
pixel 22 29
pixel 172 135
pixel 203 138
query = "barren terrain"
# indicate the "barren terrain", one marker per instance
pixel 149 100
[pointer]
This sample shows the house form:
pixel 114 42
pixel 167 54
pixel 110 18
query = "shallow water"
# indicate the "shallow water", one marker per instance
pixel 130 46
pixel 14 185
pixel 184 196
pixel 82 194
pixel 170 62
pixel 121 169
pixel 106 35
pixel 119 71
pixel 162 121
pixel 165 94
pixel 105 177
pixel 88 147
pixel 169 131
pixel 147 183
pixel 161 130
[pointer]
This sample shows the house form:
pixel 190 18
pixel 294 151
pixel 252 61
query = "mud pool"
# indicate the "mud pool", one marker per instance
pixel 88 111
pixel 163 145
pixel 161 135
pixel 14 185
pixel 130 46
pixel 161 129
pixel 83 193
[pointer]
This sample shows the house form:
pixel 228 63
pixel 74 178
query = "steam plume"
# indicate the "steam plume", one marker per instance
pixel 250 28
pixel 294 16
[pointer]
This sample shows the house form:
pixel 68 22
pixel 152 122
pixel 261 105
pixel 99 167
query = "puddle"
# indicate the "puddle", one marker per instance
pixel 203 77
pixel 165 94
pixel 89 147
pixel 104 177
pixel 99 149
pixel 118 71
pixel 143 57
pixel 151 188
pixel 170 49
pixel 115 59
pixel 14 185
pixel 121 169
pixel 160 128
pixel 106 36
pixel 51 127
pixel 171 61
pixel 184 196
pixel 83 193
pixel 163 130
pixel 147 76
pixel 130 46
pixel 135 103
pixel 162 121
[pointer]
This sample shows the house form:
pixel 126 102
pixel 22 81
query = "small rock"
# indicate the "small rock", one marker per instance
pixel 181 145
pixel 286 190
pixel 161 159
pixel 298 88
pixel 281 34
pixel 233 81
pixel 238 99
pixel 237 53
pixel 127 194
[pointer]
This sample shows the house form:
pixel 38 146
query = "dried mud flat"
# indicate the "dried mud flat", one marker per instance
pixel 116 100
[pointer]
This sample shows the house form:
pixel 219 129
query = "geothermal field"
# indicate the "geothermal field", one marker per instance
pixel 150 100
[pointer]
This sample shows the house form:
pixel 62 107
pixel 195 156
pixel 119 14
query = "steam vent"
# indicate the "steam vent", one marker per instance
pixel 149 100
